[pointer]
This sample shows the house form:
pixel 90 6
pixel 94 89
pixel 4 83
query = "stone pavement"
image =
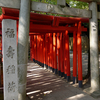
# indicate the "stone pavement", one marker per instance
pixel 44 85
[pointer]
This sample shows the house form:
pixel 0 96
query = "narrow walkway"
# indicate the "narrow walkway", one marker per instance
pixel 44 85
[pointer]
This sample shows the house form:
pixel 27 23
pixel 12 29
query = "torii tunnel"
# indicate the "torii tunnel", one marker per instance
pixel 49 41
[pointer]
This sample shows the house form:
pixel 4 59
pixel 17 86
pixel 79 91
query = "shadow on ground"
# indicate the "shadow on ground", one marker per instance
pixel 44 85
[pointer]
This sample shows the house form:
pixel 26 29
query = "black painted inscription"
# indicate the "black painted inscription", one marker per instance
pixel 11 87
pixel 10 52
pixel 10 33
pixel 94 27
pixel 10 69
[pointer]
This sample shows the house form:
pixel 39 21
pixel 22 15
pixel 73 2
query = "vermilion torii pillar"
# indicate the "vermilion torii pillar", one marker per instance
pixel 31 48
pixel 34 48
pixel 67 55
pixel 74 57
pixel 58 52
pixel 51 51
pixel 61 55
pixel 55 52
pixel 79 49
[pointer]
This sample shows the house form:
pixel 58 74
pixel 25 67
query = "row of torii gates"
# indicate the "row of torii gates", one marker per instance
pixel 49 41
pixel 49 38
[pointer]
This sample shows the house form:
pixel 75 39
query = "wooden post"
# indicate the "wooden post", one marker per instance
pixel 79 48
pixel 36 48
pixel 58 51
pixel 61 54
pixel 39 53
pixel 56 70
pixel 94 59
pixel 44 51
pixel 45 65
pixel 33 48
pixel 42 59
pixel 68 56
pixel 74 57
pixel 65 55
pixel 23 36
pixel 40 50
pixel 48 49
pixel 55 52
pixel 51 51
pixel 37 42
pixel 52 55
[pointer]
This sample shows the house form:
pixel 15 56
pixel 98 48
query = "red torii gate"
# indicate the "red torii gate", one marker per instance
pixel 49 39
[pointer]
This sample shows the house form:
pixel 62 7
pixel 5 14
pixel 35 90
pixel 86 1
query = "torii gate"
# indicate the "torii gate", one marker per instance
pixel 26 6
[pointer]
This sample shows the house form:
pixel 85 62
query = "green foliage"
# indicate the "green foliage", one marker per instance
pixel 47 1
pixel 72 3
pixel 0 11
pixel 78 4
